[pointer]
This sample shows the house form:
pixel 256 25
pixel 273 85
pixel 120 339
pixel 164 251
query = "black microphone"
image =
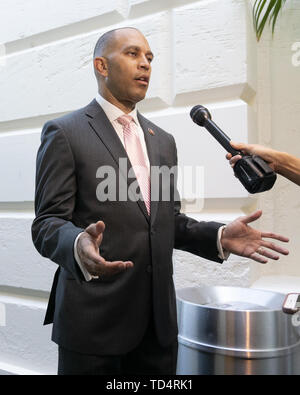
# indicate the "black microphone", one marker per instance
pixel 253 172
pixel 201 116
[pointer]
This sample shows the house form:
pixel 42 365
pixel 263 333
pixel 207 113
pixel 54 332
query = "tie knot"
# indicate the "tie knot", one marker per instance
pixel 125 120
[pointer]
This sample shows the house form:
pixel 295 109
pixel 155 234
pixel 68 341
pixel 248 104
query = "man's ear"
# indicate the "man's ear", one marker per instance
pixel 101 66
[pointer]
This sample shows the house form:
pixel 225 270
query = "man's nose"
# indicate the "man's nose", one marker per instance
pixel 145 64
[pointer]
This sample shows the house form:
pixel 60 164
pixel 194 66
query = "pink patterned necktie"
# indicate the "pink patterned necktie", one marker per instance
pixel 136 155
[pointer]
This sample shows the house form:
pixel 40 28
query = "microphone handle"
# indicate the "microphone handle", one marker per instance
pixel 220 136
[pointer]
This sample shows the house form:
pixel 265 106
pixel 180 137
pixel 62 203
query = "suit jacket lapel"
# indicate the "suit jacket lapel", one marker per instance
pixel 105 131
pixel 153 154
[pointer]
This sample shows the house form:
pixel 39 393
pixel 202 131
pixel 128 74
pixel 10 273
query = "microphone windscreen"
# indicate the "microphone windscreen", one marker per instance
pixel 200 115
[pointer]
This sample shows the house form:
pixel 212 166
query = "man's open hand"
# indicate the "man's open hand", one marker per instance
pixel 88 252
pixel 240 239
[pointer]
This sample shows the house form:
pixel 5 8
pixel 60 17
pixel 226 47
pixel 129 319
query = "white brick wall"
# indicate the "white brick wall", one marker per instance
pixel 202 53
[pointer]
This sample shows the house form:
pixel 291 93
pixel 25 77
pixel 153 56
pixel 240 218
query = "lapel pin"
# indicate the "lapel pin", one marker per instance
pixel 151 132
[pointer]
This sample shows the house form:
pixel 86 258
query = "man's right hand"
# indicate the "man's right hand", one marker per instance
pixel 88 251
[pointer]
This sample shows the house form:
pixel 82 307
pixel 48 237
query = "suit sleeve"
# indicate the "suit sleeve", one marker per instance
pixel 199 238
pixel 53 232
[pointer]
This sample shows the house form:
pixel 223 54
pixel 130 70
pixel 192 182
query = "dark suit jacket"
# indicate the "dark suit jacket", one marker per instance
pixel 109 315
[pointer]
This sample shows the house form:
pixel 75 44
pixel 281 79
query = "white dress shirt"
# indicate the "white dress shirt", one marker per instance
pixel 113 113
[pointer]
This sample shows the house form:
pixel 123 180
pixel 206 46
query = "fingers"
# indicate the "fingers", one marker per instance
pixel 261 255
pixel 236 158
pixel 97 265
pixel 239 146
pixel 267 253
pixel 233 159
pixel 258 258
pixel 106 268
pixel 95 230
pixel 252 217
pixel 275 236
pixel 116 267
pixel 275 247
pixel 244 148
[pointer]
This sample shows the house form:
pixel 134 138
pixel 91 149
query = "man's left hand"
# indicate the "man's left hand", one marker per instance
pixel 240 239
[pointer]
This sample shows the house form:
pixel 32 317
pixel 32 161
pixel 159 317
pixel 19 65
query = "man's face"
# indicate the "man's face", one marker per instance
pixel 128 66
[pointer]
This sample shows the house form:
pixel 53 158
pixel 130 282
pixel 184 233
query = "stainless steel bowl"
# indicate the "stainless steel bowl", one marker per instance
pixel 230 330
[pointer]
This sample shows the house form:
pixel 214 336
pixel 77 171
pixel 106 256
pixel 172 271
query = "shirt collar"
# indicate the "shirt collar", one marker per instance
pixel 112 112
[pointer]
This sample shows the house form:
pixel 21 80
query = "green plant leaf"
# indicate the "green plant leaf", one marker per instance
pixel 264 10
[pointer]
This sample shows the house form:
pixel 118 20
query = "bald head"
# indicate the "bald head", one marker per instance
pixel 106 42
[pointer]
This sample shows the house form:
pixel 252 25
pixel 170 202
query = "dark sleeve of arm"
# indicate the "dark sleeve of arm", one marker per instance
pixel 199 238
pixel 53 232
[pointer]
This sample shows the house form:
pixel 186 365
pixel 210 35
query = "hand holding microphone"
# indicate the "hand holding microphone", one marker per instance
pixel 282 163
pixel 252 171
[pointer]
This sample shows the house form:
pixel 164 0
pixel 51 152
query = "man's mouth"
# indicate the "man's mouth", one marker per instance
pixel 143 80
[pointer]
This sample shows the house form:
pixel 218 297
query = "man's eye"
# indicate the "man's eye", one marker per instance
pixel 132 53
pixel 150 60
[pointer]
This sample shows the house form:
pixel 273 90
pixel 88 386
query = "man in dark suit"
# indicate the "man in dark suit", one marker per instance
pixel 112 302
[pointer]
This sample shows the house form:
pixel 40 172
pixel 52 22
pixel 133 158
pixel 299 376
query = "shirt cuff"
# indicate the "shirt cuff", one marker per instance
pixel 224 255
pixel 87 276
